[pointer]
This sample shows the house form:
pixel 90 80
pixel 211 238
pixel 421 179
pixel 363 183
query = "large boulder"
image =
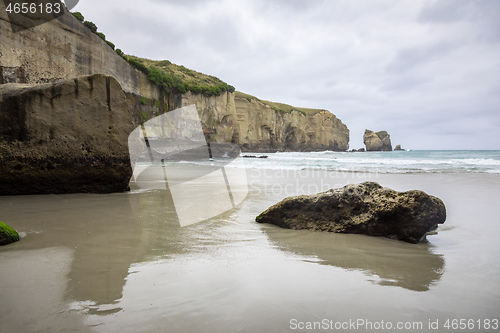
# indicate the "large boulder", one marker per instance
pixel 379 141
pixel 65 137
pixel 366 208
pixel 7 234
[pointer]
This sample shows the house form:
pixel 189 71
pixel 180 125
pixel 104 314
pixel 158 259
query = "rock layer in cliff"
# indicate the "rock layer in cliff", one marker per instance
pixel 65 137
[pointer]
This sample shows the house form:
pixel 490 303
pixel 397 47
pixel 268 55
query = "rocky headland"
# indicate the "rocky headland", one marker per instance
pixel 366 208
pixel 68 102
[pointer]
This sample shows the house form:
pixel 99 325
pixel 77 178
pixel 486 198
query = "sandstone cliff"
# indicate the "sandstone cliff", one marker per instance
pixel 64 129
pixel 380 141
pixel 63 49
pixel 257 127
pixel 262 128
pixel 65 137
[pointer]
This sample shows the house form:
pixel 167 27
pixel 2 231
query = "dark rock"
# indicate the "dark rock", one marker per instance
pixel 398 148
pixel 65 137
pixel 253 156
pixel 366 208
pixel 7 234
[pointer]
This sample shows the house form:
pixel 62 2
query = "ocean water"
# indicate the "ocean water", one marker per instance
pixel 413 161
pixel 121 262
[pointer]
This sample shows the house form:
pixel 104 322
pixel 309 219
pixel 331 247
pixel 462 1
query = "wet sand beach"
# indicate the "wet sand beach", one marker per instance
pixel 121 262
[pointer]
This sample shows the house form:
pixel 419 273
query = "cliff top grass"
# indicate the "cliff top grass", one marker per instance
pixel 381 134
pixel 178 77
pixel 280 107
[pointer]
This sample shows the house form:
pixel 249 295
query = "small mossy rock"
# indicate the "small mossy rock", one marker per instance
pixel 7 234
pixel 365 208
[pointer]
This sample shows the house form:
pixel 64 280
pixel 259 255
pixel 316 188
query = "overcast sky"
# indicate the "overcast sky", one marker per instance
pixel 427 71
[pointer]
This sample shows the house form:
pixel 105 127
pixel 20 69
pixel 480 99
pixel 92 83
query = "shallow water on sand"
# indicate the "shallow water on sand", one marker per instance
pixel 121 262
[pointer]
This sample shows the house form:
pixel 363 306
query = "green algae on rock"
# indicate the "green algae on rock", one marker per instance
pixel 7 234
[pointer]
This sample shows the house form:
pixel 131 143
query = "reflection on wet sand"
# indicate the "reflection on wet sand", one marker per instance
pixel 107 235
pixel 33 284
pixel 108 248
pixel 411 266
pixel 110 235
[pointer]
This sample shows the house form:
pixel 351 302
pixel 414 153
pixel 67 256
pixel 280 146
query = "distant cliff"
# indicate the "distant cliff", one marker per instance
pixel 258 127
pixel 48 81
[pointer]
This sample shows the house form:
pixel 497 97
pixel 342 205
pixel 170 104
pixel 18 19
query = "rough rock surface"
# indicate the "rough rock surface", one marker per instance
pixel 379 141
pixel 261 128
pixel 65 137
pixel 256 127
pixel 7 234
pixel 366 208
pixel 398 148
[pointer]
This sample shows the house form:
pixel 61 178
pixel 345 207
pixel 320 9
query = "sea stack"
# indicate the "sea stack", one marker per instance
pixel 379 141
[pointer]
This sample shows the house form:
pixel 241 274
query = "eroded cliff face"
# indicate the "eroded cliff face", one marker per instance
pixel 65 137
pixel 217 115
pixel 263 129
pixel 256 127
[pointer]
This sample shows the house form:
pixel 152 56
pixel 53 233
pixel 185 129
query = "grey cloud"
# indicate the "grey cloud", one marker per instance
pixel 483 15
pixel 409 58
pixel 405 83
pixel 450 11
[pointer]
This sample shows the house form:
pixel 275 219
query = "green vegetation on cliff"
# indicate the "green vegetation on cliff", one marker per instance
pixel 78 16
pixel 382 134
pixel 166 74
pixel 181 79
pixel 92 27
pixel 279 107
